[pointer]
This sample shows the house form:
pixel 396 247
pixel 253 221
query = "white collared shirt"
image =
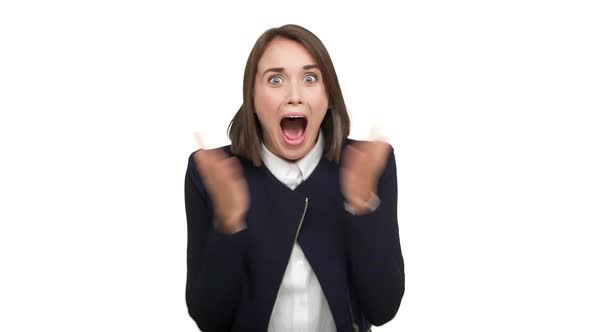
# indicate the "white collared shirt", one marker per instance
pixel 301 304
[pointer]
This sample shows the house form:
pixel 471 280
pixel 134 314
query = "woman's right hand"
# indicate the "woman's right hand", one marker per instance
pixel 223 179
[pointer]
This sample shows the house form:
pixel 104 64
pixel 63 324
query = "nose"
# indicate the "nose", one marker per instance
pixel 294 95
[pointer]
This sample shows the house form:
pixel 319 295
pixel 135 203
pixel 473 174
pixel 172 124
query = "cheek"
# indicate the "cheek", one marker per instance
pixel 319 105
pixel 319 102
pixel 266 101
pixel 318 117
pixel 266 104
pixel 317 95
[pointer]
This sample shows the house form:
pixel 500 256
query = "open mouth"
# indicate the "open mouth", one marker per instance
pixel 293 128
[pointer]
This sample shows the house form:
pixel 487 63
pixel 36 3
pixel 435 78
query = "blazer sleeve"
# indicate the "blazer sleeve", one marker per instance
pixel 215 261
pixel 376 260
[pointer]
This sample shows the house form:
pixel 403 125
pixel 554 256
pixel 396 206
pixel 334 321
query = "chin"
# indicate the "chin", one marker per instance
pixel 293 156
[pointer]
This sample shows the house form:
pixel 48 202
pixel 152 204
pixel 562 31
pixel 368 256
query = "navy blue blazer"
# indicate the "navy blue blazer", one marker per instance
pixel 233 280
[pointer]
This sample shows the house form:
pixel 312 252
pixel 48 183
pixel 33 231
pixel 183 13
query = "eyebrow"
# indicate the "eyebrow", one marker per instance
pixel 281 69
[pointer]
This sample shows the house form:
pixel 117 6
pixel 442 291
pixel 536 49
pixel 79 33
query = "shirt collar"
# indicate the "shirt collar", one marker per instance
pixel 281 168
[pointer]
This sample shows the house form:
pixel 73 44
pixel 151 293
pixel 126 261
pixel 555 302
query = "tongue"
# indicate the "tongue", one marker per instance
pixel 293 128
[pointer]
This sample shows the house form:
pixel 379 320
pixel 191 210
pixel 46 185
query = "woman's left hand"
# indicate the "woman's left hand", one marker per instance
pixel 362 165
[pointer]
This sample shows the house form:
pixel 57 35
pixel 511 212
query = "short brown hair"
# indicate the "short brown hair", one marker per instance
pixel 245 130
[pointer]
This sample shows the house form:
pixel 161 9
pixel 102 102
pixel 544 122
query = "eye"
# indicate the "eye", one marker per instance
pixel 275 80
pixel 310 78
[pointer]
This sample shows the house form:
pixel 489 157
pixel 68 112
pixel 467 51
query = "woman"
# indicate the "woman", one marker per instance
pixel 292 227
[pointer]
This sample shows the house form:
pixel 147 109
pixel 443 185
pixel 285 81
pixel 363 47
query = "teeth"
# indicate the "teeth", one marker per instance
pixel 295 117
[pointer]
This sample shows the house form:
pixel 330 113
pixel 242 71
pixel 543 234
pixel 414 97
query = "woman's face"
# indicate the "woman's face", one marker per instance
pixel 289 98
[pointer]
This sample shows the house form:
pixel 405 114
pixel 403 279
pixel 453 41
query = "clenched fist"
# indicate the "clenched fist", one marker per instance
pixel 362 165
pixel 222 176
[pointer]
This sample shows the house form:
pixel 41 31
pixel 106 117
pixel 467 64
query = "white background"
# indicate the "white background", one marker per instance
pixel 485 103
